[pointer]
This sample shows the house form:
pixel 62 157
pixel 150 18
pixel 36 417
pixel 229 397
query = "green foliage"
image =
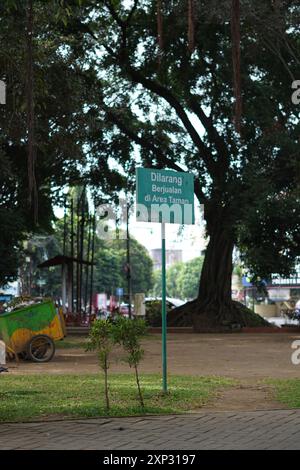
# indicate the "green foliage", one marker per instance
pixel 131 99
pixel 47 281
pixel 101 340
pixel 68 131
pixel 15 214
pixel 105 334
pixel 270 235
pixel 128 333
pixel 188 278
pixel 153 312
pixel 237 177
pixel 110 272
pixel 238 270
pixel 156 291
pixel 10 246
pixel 182 279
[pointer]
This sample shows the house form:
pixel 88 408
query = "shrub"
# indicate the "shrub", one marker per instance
pixel 101 340
pixel 128 333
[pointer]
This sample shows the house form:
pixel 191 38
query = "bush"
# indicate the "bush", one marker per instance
pixel 128 333
pixel 153 312
pixel 101 340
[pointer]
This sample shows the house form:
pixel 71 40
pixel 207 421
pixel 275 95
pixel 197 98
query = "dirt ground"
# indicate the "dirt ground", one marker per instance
pixel 248 358
pixel 240 356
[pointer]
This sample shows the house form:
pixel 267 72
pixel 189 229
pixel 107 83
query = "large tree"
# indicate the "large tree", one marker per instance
pixel 161 88
pixel 50 130
pixel 169 74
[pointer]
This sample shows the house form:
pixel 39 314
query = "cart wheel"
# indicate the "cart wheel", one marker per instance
pixel 22 355
pixel 41 348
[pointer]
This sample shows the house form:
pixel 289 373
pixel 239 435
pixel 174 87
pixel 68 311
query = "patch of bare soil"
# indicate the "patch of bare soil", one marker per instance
pixel 240 356
pixel 245 397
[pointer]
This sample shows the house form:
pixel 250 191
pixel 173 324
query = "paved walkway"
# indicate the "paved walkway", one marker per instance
pixel 275 429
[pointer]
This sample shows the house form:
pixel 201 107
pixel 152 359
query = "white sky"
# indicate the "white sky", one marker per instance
pixel 189 238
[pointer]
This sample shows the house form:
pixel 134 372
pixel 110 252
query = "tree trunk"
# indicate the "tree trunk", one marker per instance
pixel 214 306
pixel 214 309
pixel 139 387
pixel 106 386
pixel 215 280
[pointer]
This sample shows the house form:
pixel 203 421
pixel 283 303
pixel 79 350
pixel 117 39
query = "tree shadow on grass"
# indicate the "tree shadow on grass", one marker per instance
pixel 18 393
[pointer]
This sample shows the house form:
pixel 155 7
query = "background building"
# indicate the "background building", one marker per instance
pixel 172 256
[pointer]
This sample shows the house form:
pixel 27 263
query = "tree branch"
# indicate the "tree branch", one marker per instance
pixel 160 90
pixel 149 146
pixel 132 11
pixel 114 14
pixel 213 134
pixel 163 92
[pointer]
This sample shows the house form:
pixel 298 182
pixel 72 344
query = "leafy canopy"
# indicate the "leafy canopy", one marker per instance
pixel 175 108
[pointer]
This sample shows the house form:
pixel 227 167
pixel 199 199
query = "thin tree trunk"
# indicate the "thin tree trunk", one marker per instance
pixel 139 387
pixel 106 386
pixel 92 261
pixel 78 257
pixel 65 227
pixel 89 227
pixel 82 224
pixel 72 255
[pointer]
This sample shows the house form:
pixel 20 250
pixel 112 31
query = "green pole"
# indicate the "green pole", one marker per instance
pixel 163 308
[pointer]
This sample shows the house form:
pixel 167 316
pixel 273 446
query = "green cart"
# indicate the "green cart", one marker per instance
pixel 30 332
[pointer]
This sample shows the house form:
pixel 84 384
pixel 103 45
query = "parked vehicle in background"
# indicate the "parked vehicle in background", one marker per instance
pixel 171 301
pixel 124 309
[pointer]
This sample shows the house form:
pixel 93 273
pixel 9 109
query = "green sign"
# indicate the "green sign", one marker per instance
pixel 165 196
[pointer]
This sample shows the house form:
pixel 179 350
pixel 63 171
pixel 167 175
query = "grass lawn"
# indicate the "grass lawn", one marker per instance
pixel 287 391
pixel 29 397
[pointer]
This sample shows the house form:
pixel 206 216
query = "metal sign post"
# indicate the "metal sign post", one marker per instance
pixel 163 307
